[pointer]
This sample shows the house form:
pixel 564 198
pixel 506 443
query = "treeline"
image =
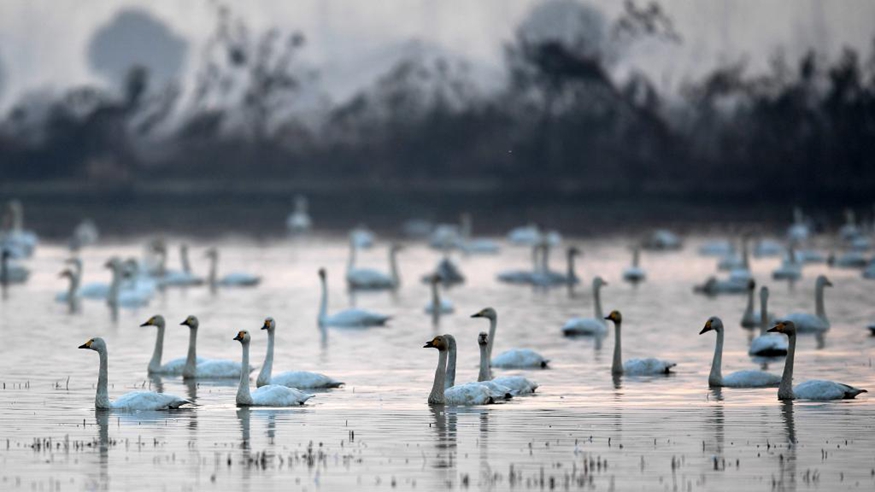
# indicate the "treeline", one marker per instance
pixel 256 112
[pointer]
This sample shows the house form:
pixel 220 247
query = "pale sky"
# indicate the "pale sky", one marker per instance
pixel 43 42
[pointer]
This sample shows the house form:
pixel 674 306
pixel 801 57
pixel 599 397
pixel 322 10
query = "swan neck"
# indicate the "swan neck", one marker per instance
pixel 748 311
pixel 484 374
pixel 617 364
pixel 350 264
pixel 450 379
pixel 436 397
pixel 493 324
pixel 243 396
pixel 785 390
pixel 571 273
pixel 214 266
pixel 818 300
pixel 267 367
pixel 745 256
pixel 597 301
pixel 435 298
pixel 716 376
pixel 190 369
pixel 323 302
pixel 186 265
pixel 764 314
pixel 393 267
pixel 545 259
pixel 115 284
pixel 102 398
pixel 157 353
pixel 635 258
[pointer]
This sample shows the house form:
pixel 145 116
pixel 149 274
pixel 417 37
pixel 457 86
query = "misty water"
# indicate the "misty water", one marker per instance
pixel 581 430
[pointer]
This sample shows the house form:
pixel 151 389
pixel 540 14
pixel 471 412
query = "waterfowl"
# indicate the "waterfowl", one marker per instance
pixel 236 279
pixel 513 358
pixel 184 277
pixel 531 235
pixel 869 272
pixel 175 366
pixel 291 379
pixel 271 395
pixel 71 295
pixel 790 268
pixel 812 323
pixel 518 385
pixel 299 220
pixel 371 279
pixel 523 276
pixel 816 389
pixel 766 344
pixel 635 274
pixel 742 273
pixel 849 231
pixel 19 242
pixel 547 278
pixel 849 259
pixel 462 395
pixel 799 230
pixel 349 318
pixel 720 248
pixel 497 391
pixel 767 247
pixel 438 305
pixel 84 234
pixel 589 326
pixel 751 318
pixel 738 379
pixel 447 271
pixel 714 286
pixel 195 368
pixel 633 367
pixel 361 237
pixel 469 244
pixel 663 240
pixel 117 297
pixel 135 400
pixel 11 273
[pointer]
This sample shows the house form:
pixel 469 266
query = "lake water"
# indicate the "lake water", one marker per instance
pixel 582 430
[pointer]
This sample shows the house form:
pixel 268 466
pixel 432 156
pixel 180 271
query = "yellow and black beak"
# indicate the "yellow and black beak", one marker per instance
pixel 477 315
pixel 148 322
pixel 185 323
pixel 86 345
pixel 707 327
pixel 266 325
pixel 239 336
pixel 779 328
pixel 429 344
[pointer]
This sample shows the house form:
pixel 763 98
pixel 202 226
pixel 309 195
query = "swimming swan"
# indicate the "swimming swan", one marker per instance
pixel 291 379
pixel 751 318
pixel 589 326
pixel 236 279
pixel 815 389
pixel 184 277
pixel 739 379
pixel 497 391
pixel 272 395
pixel 513 358
pixel 371 279
pixel 172 368
pixel 123 298
pixel 635 273
pixel 11 273
pixel 767 345
pixel 299 220
pixel 349 318
pixel 633 367
pixel 812 323
pixel 458 395
pixel 207 368
pixel 71 295
pixel 518 385
pixel 135 400
pixel 438 305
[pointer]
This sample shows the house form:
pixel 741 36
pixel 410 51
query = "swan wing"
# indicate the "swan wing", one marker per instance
pixel 769 346
pixel 751 379
pixel 818 389
pixel 807 322
pixel 368 278
pixel 148 400
pixel 518 384
pixel 468 394
pixel 274 395
pixel 94 290
pixel 240 279
pixel 519 358
pixel 356 318
pixel 650 365
pixel 584 326
pixel 304 379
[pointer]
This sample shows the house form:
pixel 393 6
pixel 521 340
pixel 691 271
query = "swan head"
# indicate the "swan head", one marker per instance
pixel 94 344
pixel 574 251
pixel 751 285
pixel 786 327
pixel 6 254
pixel 822 281
pixel 764 292
pixel 713 323
pixel 191 322
pixel 598 282
pixel 211 253
pixel 66 273
pixel 156 320
pixel 487 313
pixel 439 342
pixel 482 339
pixel 615 316
pixel 112 263
pixel 434 279
pixel 396 248
pixel 322 273
pixel 269 324
pixel 242 337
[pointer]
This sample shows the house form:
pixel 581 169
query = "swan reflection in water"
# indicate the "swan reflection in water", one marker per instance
pixel 445 420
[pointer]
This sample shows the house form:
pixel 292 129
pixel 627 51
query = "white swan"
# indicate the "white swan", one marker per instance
pixel 93 290
pixel 751 318
pixel 19 242
pixel 663 239
pixel 513 358
pixel 767 247
pixel 799 230
pixel 299 220
pixel 547 278
pixel 589 326
pixel 849 231
pixel 849 259
pixel 474 245
pixel 790 268
pixel 767 345
pixel 371 279
pixel 271 395
pixel 438 305
pixel 518 385
pixel 633 367
pixel 175 366
pixel 869 272
pixel 714 286
pixel 449 273
pixel 497 391
pixel 135 400
pixel 128 298
pixel 195 368
pixel 348 318
pixel 184 277
pixel 531 235
pixel 361 236
pixel 720 248
pixel 742 273
pixel 812 323
pixel 523 276
pixel 236 279
pixel 292 379
pixel 12 273
pixel 635 273
pixel 738 379
pixel 809 390
pixel 84 234
pixel 471 394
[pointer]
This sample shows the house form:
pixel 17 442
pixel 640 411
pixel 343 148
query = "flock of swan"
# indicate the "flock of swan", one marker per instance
pixel 134 282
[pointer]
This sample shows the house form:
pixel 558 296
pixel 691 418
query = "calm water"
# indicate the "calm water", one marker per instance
pixel 582 430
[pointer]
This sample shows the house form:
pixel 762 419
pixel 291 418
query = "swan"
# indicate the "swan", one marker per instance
pixel 513 358
pixel 472 394
pixel 799 230
pixel 361 236
pixel 635 273
pixel 720 248
pixel 370 279
pixel 738 379
pixel 790 268
pixel 291 379
pixel 127 298
pixel 742 273
pixel 135 400
pixel 751 318
pixel 349 318
pixel 71 295
pixel 19 242
pixel 767 345
pixel 531 235
pixel 663 239
pixel 438 305
pixel 872 328
pixel 93 290
pixel 523 276
pixel 497 391
pixel 195 368
pixel 812 323
pixel 271 395
pixel 175 366
pixel 861 243
pixel 182 278
pixel 518 385
pixel 810 256
pixel 448 272
pixel 714 286
pixel 545 277
pixel 84 234
pixel 850 259
pixel 299 220
pixel 589 326
pixel 445 237
pixel 236 279
pixel 11 273
pixel 816 389
pixel 849 231
pixel 472 245
pixel 633 367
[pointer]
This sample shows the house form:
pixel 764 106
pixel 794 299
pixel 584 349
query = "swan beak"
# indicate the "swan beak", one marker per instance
pixel 707 327
pixel 265 326
pixel 608 317
pixel 429 344
pixel 86 345
pixel 239 336
pixel 184 323
pixel 828 283
pixel 476 315
pixel 779 328
pixel 604 283
pixel 147 323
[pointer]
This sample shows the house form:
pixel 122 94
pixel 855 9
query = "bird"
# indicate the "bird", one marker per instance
pixel 184 277
pixel 714 286
pixel 348 318
pixel 171 368
pixel 135 400
pixel 71 295
pixel 635 274
pixel 207 368
pixel 816 389
pixel 513 358
pixel 292 379
pixel 766 344
pixel 589 326
pixel 236 279
pixel 751 318
pixel 497 391
pixel 812 323
pixel 438 305
pixel 790 268
pixel 361 237
pixel 371 279
pixel 663 240
pixel 523 276
pixel 518 385
pixel 633 367
pixel 545 277
pixel 11 273
pixel 739 379
pixel 299 220
pixel 271 395
pixel 19 242
pixel 462 395
pixel 471 245
pixel 720 248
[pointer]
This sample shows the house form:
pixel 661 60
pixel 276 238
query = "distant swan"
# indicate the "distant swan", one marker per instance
pixel 71 295
pixel 812 323
pixel 714 286
pixel 292 379
pixel 662 240
pixel 739 379
pixel 127 298
pixel 349 318
pixel 371 279
pixel 809 390
pixel 207 368
pixel 458 395
pixel 790 268
pixel 299 220
pixel 717 248
pixel 589 326
pixel 633 367
pixel 11 273
pixel 635 273
pixel 474 245
pixel 19 242
pixel 236 279
pixel 184 277
pixel 523 276
pixel 767 345
pixel 751 318
pixel 438 305
pixel 531 235
pixel 135 400
pixel 272 395
pixel 547 278
pixel 361 236
pixel 513 358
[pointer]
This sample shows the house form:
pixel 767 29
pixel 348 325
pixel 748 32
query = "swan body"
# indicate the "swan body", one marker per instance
pixel 438 305
pixel 799 230
pixel 811 256
pixel 496 391
pixel 790 268
pixel 810 390
pixel 739 379
pixel 714 286
pixel 861 243
pixel 184 277
pixel 515 385
pixel 635 273
pixel 463 395
pixel 271 395
pixel 766 344
pixel 291 379
pixel 11 273
pixel 20 243
pixel 84 234
pixel 663 239
pixel 589 326
pixel 127 298
pixel 348 318
pixel 518 385
pixel 812 323
pixel 445 236
pixel 869 272
pixel 133 401
pixel 531 235
pixel 448 273
pixel 633 367
pixel 236 279
pixel 523 276
pixel 514 358
pixel 720 248
pixel 299 220
pixel 751 318
pixel 370 279
pixel 196 368
pixel 471 245
pixel 417 228
pixel 548 278
pixel 850 259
